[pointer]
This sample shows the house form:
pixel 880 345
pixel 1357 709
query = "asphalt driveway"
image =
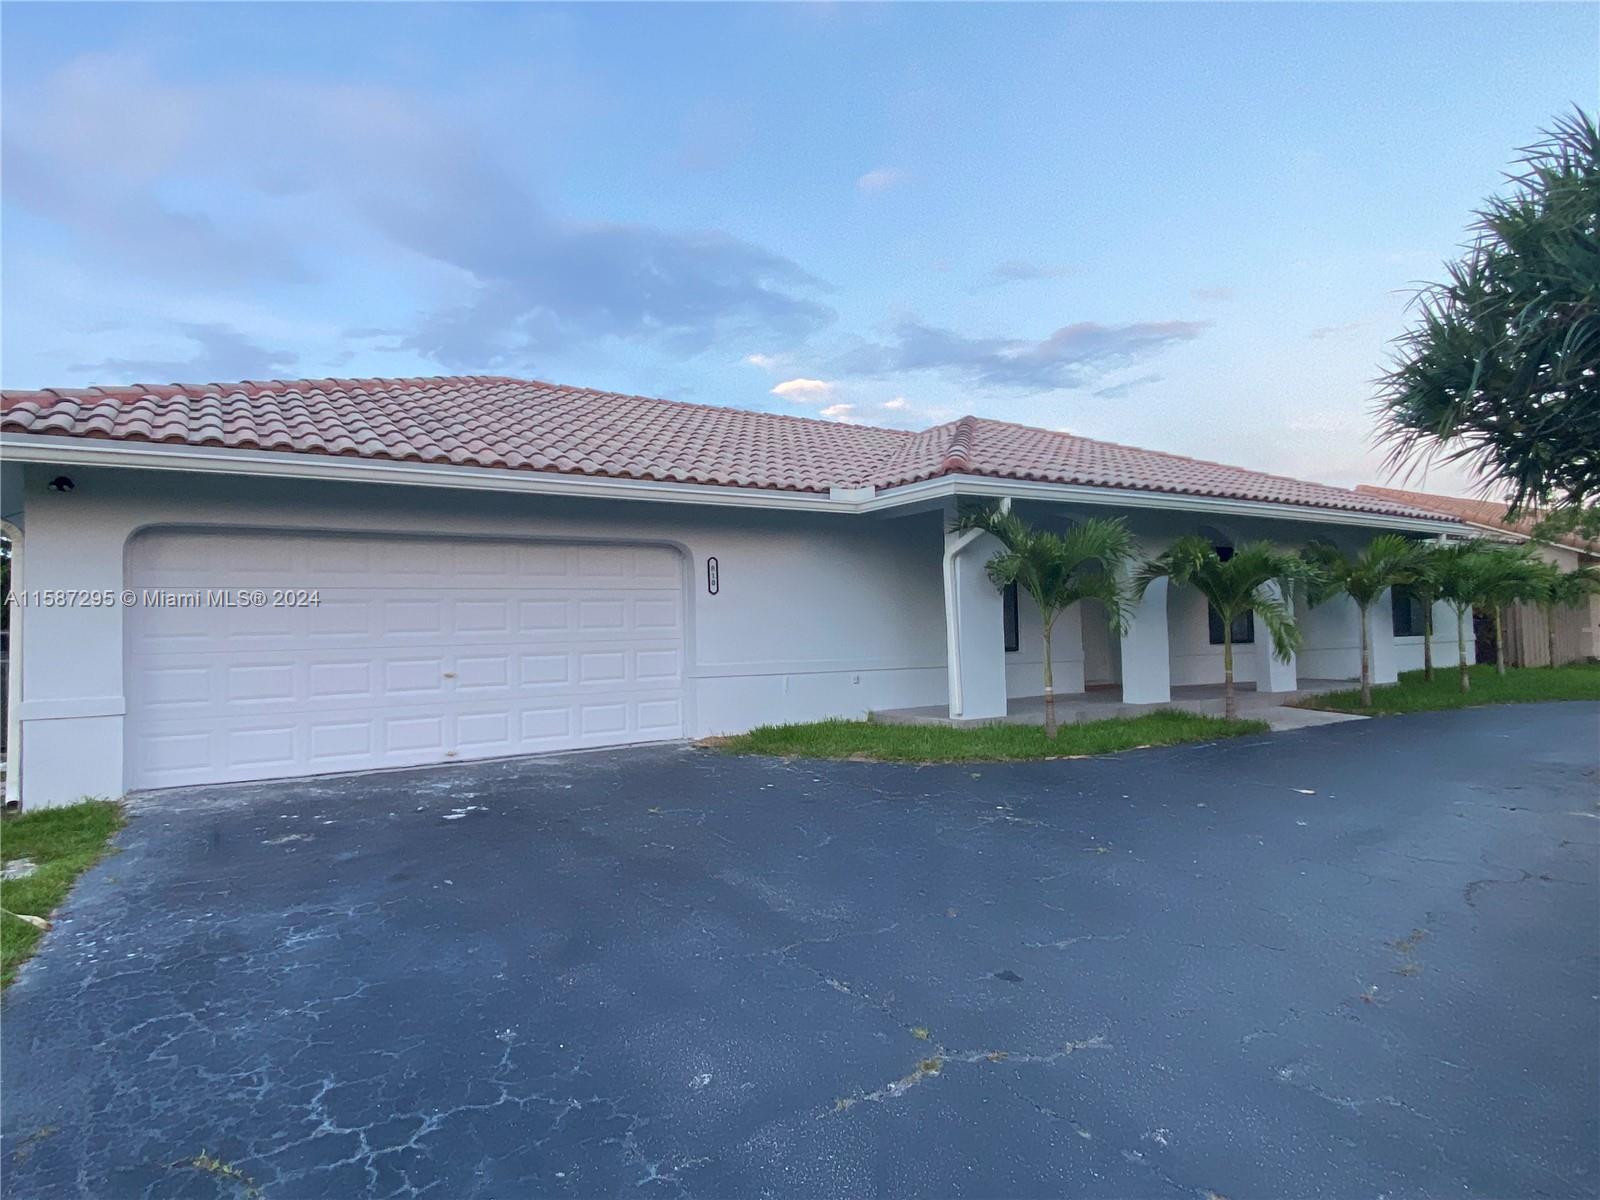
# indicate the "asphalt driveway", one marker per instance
pixel 1358 960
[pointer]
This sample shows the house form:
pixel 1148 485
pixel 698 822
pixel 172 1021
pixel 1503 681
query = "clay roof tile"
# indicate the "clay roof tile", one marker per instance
pixel 514 424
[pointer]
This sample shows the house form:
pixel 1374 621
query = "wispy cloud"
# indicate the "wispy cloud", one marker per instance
pixel 881 179
pixel 1018 270
pixel 765 361
pixel 1212 295
pixel 858 407
pixel 1072 356
pixel 805 390
pixel 1117 391
pixel 215 354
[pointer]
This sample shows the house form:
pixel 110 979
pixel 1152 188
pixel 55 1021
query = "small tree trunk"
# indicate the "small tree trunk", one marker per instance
pixel 1049 687
pixel 1550 630
pixel 1427 643
pixel 1461 649
pixel 1499 643
pixel 1230 704
pixel 1366 662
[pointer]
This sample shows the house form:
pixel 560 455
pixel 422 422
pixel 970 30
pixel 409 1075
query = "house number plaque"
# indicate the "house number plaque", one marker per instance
pixel 712 583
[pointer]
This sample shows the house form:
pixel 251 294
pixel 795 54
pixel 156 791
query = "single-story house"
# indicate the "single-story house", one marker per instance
pixel 271 579
pixel 1526 629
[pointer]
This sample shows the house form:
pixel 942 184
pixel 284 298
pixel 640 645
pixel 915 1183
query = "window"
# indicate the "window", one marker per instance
pixel 1244 627
pixel 1008 603
pixel 1410 614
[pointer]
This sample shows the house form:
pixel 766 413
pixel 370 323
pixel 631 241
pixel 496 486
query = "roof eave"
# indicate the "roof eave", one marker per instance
pixel 281 464
pixel 990 486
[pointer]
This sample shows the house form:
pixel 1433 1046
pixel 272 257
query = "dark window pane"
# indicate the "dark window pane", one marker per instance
pixel 1008 603
pixel 1408 613
pixel 1244 627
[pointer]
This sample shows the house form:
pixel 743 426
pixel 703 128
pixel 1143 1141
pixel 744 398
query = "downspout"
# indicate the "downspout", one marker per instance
pixel 952 608
pixel 13 788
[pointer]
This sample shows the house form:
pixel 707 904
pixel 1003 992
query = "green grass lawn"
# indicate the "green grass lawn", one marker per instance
pixel 1519 685
pixel 64 842
pixel 986 743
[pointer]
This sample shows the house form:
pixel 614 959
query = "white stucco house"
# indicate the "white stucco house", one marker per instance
pixel 263 580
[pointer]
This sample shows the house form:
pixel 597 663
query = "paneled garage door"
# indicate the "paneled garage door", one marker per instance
pixel 417 651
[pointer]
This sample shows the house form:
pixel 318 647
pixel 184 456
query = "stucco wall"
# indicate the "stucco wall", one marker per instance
pixel 816 616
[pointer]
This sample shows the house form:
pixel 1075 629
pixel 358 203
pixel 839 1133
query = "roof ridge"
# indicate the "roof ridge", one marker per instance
pixel 963 441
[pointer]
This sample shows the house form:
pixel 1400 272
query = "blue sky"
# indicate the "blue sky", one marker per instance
pixel 1192 228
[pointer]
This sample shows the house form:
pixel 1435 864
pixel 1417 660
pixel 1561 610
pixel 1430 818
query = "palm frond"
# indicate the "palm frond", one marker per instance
pixel 1278 616
pixel 1057 570
pixel 1385 561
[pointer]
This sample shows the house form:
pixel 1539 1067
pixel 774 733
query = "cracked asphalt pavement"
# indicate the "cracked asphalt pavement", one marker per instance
pixel 1357 960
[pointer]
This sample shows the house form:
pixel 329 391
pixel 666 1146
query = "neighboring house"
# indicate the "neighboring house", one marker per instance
pixel 1526 630
pixel 504 567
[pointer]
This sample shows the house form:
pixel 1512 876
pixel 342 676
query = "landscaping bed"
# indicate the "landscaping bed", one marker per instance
pixel 871 741
pixel 1519 685
pixel 60 843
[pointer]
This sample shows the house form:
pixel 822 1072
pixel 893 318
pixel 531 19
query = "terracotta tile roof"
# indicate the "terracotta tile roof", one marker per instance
pixel 1489 513
pixel 494 422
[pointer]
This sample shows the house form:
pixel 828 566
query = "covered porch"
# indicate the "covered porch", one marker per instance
pixel 1169 650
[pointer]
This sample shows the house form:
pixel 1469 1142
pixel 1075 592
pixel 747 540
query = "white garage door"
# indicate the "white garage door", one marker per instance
pixel 417 651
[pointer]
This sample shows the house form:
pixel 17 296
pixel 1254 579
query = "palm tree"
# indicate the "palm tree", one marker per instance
pixel 1457 570
pixel 1388 559
pixel 1424 585
pixel 1234 585
pixel 1505 575
pixel 1562 589
pixel 1057 570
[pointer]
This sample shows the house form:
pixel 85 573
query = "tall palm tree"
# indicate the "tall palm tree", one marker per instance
pixel 1562 589
pixel 1057 571
pixel 1388 559
pixel 1234 585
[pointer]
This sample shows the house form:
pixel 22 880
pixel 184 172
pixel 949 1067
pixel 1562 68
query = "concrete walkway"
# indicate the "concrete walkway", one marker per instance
pixel 1104 702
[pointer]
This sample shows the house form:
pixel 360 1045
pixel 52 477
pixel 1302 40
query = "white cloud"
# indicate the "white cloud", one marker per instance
pixel 765 361
pixel 881 179
pixel 840 413
pixel 895 405
pixel 803 389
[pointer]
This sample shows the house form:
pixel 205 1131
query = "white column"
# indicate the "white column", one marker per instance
pixel 1444 635
pixel 1146 668
pixel 1273 675
pixel 1380 624
pixel 975 639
